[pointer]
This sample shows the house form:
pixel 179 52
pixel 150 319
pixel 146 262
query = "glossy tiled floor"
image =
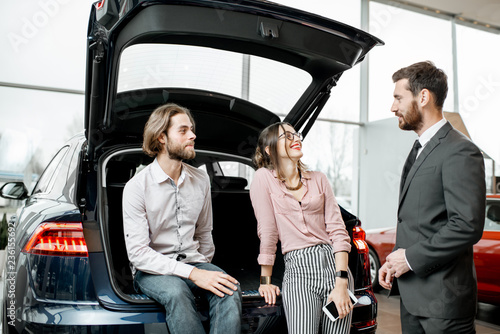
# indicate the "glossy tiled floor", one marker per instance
pixel 487 322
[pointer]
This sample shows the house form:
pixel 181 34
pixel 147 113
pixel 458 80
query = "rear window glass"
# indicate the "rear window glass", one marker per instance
pixel 267 83
pixel 237 169
pixel 49 176
pixel 492 222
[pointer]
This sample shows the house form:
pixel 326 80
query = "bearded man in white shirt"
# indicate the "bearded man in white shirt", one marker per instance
pixel 167 217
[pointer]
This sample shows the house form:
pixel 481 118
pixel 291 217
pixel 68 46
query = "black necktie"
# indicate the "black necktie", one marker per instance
pixel 410 161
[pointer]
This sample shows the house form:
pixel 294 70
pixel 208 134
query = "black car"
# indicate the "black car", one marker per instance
pixel 236 66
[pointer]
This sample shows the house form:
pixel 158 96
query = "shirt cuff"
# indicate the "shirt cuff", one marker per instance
pixel 266 259
pixel 183 270
pixel 408 263
pixel 342 248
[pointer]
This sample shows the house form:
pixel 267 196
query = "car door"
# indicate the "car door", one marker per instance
pixel 487 255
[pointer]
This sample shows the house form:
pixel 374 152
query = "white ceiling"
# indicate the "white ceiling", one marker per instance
pixel 483 11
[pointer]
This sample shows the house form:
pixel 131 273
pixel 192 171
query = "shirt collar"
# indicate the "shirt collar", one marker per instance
pixel 430 132
pixel 160 176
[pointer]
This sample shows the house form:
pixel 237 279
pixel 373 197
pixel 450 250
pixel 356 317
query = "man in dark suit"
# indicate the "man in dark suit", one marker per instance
pixel 441 211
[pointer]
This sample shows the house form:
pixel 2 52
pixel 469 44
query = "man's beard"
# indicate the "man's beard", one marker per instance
pixel 178 151
pixel 413 119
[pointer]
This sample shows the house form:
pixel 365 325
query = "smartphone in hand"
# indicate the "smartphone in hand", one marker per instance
pixel 331 310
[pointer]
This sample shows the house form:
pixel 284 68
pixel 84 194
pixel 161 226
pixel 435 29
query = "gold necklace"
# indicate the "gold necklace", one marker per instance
pixel 298 186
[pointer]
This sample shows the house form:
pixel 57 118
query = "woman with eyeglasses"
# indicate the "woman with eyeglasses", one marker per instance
pixel 298 208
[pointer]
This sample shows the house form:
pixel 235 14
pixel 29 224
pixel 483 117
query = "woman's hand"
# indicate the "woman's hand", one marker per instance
pixel 269 292
pixel 340 297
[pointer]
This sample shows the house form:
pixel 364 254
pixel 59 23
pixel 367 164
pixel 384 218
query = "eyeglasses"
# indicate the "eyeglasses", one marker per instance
pixel 289 135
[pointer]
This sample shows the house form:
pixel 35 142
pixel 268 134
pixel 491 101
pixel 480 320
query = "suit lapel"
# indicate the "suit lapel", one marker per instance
pixel 427 150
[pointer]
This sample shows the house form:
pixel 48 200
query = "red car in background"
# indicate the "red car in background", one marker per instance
pixel 486 253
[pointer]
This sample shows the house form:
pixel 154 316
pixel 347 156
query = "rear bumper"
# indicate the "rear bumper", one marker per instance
pixel 83 318
pixel 364 317
pixel 92 317
pixel 365 330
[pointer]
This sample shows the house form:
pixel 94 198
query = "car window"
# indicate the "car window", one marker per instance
pixel 218 168
pixel 492 222
pixel 267 83
pixel 140 167
pixel 48 177
pixel 232 169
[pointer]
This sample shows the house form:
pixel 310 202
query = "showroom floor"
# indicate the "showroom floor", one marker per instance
pixel 388 316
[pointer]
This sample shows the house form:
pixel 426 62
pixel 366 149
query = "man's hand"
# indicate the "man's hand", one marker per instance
pixel 396 262
pixel 214 281
pixel 269 292
pixel 395 265
pixel 385 277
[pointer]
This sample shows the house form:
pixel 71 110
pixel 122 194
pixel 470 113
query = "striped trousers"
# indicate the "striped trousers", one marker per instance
pixel 308 280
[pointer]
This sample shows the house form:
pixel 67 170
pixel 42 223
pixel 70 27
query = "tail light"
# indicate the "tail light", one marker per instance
pixel 365 324
pixel 59 239
pixel 99 4
pixel 359 236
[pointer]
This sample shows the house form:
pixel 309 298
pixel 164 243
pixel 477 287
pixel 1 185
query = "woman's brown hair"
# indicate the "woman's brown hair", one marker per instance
pixel 269 138
pixel 158 123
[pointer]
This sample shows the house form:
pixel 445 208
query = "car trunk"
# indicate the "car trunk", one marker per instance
pixel 234 223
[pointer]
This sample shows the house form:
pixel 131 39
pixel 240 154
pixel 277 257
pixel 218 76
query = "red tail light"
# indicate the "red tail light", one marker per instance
pixel 359 236
pixel 99 4
pixel 60 239
pixel 365 324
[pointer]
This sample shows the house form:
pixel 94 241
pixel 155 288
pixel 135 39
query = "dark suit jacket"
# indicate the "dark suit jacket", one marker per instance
pixel 440 217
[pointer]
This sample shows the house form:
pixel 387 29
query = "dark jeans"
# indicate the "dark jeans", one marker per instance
pixel 177 295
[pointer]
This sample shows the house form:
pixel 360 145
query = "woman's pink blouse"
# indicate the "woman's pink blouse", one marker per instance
pixel 316 219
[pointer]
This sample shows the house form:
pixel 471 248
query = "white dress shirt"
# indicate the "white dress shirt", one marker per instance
pixel 429 133
pixel 167 226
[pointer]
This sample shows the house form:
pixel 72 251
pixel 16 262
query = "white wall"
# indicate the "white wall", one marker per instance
pixel 383 152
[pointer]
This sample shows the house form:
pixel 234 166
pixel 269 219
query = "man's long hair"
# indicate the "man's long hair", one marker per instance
pixel 158 123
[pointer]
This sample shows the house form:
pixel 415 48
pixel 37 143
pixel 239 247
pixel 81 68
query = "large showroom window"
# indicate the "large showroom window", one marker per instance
pixel 479 86
pixel 405 45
